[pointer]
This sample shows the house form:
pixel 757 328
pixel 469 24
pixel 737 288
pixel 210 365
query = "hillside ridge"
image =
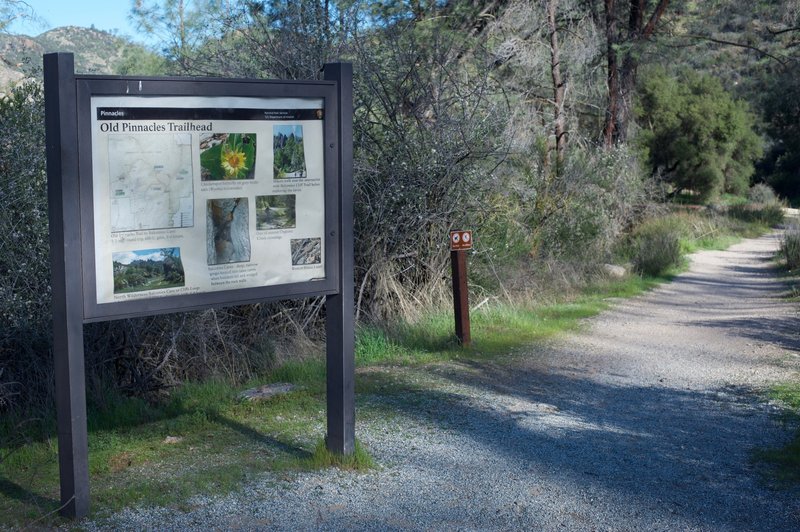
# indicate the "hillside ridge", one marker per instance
pixel 96 51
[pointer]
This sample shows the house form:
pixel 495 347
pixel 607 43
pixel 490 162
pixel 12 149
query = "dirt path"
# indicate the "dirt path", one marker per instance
pixel 723 323
pixel 669 389
pixel 645 421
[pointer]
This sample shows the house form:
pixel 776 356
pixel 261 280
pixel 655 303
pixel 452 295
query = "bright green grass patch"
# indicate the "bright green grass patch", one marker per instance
pixel 788 394
pixel 708 242
pixel 432 338
pixel 202 440
pixel 321 458
pixel 784 462
pixel 494 329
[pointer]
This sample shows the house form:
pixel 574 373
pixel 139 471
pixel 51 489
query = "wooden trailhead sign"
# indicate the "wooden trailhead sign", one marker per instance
pixel 235 190
pixel 460 240
pixel 460 243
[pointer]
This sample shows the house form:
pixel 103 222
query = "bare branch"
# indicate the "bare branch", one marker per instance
pixel 785 30
pixel 782 61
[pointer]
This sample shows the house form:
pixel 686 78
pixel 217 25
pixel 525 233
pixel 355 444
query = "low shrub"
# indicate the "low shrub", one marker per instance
pixel 656 247
pixel 762 193
pixel 790 247
pixel 770 214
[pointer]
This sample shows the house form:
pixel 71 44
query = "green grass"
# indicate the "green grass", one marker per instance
pixel 203 439
pixel 783 463
pixel 322 458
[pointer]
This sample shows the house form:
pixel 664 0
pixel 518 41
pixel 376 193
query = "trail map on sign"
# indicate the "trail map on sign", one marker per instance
pixel 151 181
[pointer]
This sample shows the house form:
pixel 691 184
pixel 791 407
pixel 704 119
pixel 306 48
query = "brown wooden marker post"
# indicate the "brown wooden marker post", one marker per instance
pixel 460 243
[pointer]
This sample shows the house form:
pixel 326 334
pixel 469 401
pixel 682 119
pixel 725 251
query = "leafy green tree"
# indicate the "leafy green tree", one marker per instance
pixel 695 135
pixel 752 47
pixel 781 166
pixel 137 60
pixel 181 26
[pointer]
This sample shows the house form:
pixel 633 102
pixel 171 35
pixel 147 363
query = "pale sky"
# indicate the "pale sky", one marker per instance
pixel 104 14
pixel 126 257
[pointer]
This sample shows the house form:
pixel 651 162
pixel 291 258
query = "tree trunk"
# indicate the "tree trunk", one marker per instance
pixel 559 86
pixel 612 77
pixel 622 71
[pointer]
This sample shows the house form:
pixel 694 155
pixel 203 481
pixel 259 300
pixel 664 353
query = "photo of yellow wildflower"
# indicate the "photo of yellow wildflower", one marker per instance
pixel 225 156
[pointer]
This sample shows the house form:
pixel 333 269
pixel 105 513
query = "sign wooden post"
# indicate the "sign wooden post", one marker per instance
pixel 460 243
pixel 340 321
pixel 65 260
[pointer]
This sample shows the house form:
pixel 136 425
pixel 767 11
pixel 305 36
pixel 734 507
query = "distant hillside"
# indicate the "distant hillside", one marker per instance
pixel 96 52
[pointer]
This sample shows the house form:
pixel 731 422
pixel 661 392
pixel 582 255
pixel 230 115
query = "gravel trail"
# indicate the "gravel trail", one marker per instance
pixel 645 420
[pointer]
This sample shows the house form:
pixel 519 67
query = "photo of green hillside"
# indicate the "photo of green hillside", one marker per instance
pixel 147 269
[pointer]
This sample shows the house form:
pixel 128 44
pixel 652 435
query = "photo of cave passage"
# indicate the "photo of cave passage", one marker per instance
pixel 288 151
pixel 147 269
pixel 275 212
pixel 227 231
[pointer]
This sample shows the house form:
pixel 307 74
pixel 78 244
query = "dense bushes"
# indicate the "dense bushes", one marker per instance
pixel 657 246
pixel 769 214
pixel 426 146
pixel 761 193
pixel 24 249
pixel 790 247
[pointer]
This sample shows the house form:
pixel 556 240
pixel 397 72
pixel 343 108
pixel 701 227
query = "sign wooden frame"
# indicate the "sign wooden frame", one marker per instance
pixel 90 86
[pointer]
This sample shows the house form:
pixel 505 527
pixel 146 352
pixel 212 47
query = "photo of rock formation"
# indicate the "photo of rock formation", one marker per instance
pixel 227 231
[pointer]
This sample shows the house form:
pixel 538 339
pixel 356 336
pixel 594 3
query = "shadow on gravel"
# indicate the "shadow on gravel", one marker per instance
pixel 783 331
pixel 645 449
pixel 758 271
pixel 745 288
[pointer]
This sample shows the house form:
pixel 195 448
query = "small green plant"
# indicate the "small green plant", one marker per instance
pixel 656 248
pixel 790 247
pixel 360 460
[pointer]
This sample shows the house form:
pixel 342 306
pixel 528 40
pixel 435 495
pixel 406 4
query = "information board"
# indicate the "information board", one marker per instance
pixel 198 192
pixel 203 194
pixel 178 194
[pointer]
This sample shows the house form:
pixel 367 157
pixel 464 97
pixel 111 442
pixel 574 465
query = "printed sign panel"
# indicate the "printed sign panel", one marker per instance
pixel 460 240
pixel 204 194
